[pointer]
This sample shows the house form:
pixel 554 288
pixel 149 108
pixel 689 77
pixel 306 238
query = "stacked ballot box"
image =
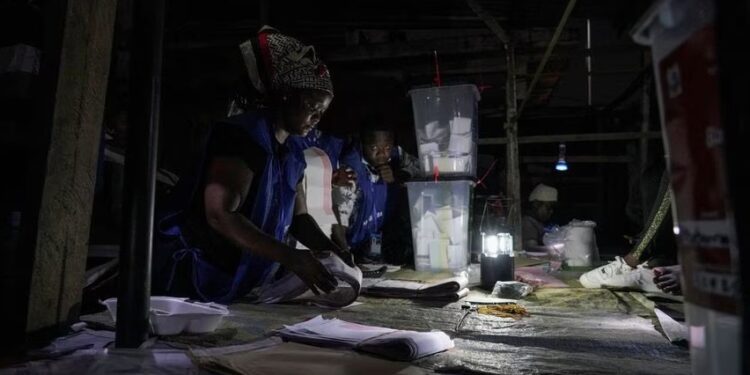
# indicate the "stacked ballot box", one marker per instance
pixel 445 121
pixel 440 224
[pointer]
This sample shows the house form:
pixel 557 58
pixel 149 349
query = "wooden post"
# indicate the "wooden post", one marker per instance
pixel 133 304
pixel 513 173
pixel 59 231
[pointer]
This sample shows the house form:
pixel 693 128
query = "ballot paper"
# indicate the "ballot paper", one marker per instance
pixel 449 289
pixel 674 330
pixel 460 143
pixel 442 239
pixel 291 288
pixel 274 357
pixel 460 125
pixel 429 148
pixel 434 132
pixel 318 189
pixel 387 342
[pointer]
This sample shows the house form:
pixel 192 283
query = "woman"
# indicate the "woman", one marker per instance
pixel 247 196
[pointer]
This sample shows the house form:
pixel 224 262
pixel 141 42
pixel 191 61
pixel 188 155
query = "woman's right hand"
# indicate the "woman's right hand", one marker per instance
pixel 311 271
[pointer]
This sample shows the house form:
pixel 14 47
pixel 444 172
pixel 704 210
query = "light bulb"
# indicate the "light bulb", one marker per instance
pixel 561 165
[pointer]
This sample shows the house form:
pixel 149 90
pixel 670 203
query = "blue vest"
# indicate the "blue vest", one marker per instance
pixel 331 145
pixel 271 210
pixel 372 209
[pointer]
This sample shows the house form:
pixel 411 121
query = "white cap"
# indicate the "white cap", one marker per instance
pixel 543 193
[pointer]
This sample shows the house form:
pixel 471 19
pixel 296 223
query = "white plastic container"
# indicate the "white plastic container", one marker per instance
pixel 445 120
pixel 175 315
pixel 440 224
pixel 683 43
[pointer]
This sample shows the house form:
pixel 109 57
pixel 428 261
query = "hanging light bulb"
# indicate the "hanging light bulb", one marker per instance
pixel 561 165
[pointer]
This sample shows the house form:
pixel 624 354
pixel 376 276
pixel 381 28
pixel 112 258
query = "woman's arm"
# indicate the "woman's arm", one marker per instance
pixel 228 181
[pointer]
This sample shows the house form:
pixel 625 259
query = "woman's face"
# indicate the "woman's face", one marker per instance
pixel 302 110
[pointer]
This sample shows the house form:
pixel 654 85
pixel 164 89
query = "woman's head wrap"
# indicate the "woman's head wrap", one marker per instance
pixel 277 63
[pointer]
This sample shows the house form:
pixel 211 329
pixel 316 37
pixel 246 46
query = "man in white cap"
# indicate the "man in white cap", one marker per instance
pixel 542 203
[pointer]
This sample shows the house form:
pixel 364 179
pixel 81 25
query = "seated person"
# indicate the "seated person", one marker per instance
pixel 651 266
pixel 667 279
pixel 542 202
pixel 229 234
pixel 378 167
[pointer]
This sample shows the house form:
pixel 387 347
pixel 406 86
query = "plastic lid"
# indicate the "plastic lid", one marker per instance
pixel 477 96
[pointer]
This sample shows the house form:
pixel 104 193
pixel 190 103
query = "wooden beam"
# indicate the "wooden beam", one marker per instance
pixel 513 168
pixel 60 236
pixel 489 20
pixel 586 137
pixel 603 159
pixel 447 46
pixel 547 53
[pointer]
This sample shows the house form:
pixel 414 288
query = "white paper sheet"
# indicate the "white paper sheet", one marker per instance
pixel 461 125
pixel 317 184
pixel 461 144
pixel 291 288
pixel 387 342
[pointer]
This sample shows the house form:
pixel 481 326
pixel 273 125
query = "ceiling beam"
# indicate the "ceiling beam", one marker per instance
pixel 489 20
pixel 398 50
pixel 585 137
pixel 600 159
pixel 547 53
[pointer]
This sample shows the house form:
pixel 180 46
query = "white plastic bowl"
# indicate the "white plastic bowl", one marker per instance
pixel 175 315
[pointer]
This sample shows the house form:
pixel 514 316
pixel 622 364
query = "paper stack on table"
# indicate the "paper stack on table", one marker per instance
pixel 291 288
pixel 387 342
pixel 274 357
pixel 450 289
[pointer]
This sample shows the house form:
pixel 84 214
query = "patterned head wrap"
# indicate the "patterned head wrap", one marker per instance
pixel 277 63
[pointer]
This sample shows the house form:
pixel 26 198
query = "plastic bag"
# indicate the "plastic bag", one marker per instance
pixel 554 240
pixel 511 289
pixel 573 244
pixel 580 249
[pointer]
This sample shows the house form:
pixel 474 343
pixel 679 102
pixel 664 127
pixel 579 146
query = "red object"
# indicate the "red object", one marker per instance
pixel 436 172
pixel 438 81
pixel 481 180
pixel 265 54
pixel 690 95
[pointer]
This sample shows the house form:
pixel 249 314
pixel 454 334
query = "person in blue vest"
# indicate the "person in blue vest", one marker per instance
pixel 379 167
pixel 228 235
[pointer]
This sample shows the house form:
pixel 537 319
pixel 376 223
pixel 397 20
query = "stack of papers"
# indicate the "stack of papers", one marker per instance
pixel 450 289
pixel 273 357
pixel 291 288
pixel 387 342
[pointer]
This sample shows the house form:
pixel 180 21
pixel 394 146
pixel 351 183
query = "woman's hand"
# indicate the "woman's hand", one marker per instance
pixel 310 271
